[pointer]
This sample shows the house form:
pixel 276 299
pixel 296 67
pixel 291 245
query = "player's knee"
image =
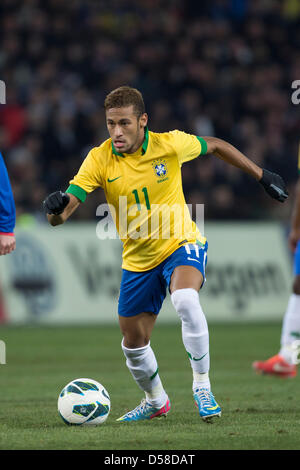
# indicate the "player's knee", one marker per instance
pixel 134 340
pixel 136 330
pixel 186 302
pixel 296 285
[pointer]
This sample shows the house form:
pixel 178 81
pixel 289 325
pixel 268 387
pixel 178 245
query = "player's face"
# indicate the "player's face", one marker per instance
pixel 125 128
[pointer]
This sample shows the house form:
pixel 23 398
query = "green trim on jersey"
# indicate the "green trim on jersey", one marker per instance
pixel 146 141
pixel 144 146
pixel 77 191
pixel 203 145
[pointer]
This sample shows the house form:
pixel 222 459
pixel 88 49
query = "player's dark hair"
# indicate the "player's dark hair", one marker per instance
pixel 125 96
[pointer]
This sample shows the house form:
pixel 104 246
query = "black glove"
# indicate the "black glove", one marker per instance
pixel 274 185
pixel 56 202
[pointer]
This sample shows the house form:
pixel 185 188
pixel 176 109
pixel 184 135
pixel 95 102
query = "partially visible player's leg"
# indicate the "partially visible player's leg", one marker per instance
pixel 185 282
pixel 283 363
pixel 291 325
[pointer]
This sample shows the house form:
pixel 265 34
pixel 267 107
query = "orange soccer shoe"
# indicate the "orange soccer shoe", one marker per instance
pixel 277 366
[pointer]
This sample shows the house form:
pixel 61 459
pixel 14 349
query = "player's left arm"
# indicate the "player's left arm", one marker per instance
pixel 272 183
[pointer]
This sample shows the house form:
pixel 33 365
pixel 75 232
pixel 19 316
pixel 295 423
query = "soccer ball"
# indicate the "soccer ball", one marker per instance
pixel 84 401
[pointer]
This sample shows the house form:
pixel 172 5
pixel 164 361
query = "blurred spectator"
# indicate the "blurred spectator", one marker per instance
pixel 221 68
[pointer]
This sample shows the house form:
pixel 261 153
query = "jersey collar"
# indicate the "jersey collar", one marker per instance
pixel 144 146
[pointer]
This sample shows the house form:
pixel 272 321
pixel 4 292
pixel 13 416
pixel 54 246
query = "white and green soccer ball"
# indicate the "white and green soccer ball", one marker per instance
pixel 85 402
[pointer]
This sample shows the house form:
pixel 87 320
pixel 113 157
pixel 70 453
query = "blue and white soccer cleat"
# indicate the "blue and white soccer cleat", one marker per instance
pixel 206 403
pixel 146 411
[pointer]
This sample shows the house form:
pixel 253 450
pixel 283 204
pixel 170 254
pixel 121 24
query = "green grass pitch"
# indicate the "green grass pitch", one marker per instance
pixel 258 412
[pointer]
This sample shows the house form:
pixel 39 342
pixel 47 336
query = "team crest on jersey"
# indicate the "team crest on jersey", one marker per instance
pixel 160 168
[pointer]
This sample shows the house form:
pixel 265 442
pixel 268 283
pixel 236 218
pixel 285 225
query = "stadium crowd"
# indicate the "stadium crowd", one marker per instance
pixel 222 68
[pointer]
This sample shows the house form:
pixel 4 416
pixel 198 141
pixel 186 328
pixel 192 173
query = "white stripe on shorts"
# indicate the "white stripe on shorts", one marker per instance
pixel 187 249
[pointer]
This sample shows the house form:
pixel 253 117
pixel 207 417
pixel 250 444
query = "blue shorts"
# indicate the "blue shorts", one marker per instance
pixel 145 291
pixel 297 260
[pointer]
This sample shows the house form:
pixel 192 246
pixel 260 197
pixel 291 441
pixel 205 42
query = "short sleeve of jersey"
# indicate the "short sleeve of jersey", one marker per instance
pixel 188 146
pixel 89 176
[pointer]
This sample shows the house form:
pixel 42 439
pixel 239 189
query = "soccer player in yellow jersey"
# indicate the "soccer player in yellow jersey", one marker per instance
pixel 284 363
pixel 140 173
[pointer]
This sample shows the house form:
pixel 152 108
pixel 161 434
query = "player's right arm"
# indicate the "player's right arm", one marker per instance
pixel 60 206
pixel 189 147
pixel 271 182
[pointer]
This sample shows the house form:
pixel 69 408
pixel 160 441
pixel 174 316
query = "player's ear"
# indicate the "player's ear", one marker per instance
pixel 144 120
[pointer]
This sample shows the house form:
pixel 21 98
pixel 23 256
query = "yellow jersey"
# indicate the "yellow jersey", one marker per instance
pixel 145 194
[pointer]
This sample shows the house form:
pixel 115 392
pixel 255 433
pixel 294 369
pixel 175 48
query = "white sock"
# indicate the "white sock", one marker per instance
pixel 143 366
pixel 290 328
pixel 200 381
pixel 195 335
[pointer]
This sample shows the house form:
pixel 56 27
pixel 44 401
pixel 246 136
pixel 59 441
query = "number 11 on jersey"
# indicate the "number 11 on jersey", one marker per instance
pixel 137 198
